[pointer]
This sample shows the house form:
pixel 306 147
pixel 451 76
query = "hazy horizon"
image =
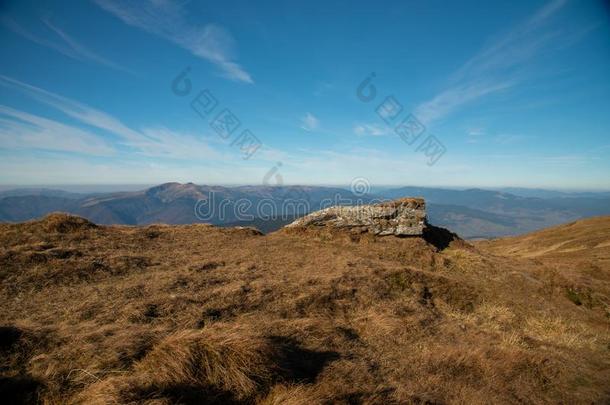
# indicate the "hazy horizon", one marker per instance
pixel 101 188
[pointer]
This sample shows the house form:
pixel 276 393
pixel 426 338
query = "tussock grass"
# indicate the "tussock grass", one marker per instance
pixel 197 314
pixel 292 395
pixel 558 331
pixel 229 360
pixel 220 363
pixel 65 223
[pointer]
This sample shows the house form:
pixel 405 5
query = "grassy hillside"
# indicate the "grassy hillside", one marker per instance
pixel 587 239
pixel 198 314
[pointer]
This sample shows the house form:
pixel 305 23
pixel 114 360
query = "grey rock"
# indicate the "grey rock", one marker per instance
pixel 406 216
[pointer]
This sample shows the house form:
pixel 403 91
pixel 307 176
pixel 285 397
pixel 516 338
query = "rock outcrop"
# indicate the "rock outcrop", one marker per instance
pixel 403 217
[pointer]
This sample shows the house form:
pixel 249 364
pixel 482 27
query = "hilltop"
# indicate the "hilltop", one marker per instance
pixel 196 313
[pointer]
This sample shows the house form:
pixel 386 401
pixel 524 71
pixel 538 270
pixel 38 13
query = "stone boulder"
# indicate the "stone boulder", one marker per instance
pixel 403 217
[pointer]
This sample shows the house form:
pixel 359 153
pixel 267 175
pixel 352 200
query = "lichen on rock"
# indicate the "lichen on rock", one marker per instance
pixel 402 217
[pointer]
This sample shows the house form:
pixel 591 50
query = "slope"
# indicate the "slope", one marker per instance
pixel 195 313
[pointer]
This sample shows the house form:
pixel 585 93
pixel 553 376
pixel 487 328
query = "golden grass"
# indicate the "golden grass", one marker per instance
pixel 292 395
pixel 223 362
pixel 197 314
pixel 229 360
pixel 558 331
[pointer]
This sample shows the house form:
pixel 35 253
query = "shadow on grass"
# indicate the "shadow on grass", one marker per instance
pixel 300 365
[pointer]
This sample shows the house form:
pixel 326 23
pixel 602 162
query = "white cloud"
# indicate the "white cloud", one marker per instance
pixel 492 69
pixel 505 139
pixel 454 98
pixel 74 109
pixel 371 130
pixel 339 168
pixel 475 134
pixel 67 45
pixel 163 142
pixel 73 169
pixel 21 130
pixel 576 159
pixel 37 132
pixel 309 122
pixel 168 20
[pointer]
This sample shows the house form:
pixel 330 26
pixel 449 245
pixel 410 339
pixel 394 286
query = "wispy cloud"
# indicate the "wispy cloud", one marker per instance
pixel 167 20
pixel 340 167
pixel 575 159
pixel 27 130
pixel 506 139
pixel 453 98
pixel 167 143
pixel 309 122
pixel 62 43
pixel 371 130
pixel 495 68
pixel 516 47
pixel 79 111
pixel 21 130
pixel 475 134
pixel 75 169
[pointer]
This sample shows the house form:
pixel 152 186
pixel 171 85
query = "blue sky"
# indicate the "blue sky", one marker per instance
pixel 514 93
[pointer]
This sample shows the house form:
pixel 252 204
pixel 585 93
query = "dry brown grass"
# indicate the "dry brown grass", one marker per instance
pixel 231 360
pixel 220 363
pixel 292 395
pixel 197 314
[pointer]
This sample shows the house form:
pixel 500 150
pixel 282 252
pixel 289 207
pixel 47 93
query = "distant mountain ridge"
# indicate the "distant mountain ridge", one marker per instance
pixel 482 213
pixel 472 213
pixel 543 193
pixel 171 203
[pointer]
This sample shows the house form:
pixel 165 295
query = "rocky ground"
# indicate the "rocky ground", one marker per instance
pixel 199 314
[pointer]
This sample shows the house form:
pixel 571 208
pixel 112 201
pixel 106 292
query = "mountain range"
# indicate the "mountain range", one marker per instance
pixel 472 213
